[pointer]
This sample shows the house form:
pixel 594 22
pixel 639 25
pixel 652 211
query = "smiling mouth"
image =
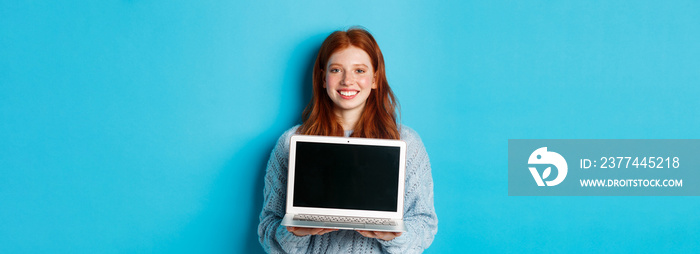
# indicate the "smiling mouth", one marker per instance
pixel 348 93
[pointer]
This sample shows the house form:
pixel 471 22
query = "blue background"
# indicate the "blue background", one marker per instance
pixel 145 126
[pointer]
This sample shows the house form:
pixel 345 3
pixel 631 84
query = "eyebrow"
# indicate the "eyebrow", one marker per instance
pixel 352 65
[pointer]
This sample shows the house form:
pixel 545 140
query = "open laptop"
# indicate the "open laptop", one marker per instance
pixel 346 183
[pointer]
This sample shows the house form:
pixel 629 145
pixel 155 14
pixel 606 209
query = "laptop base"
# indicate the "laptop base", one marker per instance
pixel 289 221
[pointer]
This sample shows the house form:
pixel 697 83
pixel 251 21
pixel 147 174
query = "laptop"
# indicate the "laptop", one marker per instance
pixel 346 183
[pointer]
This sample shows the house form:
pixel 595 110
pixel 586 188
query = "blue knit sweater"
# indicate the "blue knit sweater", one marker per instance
pixel 419 212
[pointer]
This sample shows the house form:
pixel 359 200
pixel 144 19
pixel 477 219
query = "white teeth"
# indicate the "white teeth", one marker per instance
pixel 348 93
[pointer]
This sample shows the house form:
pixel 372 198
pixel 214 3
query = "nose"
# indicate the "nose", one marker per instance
pixel 347 79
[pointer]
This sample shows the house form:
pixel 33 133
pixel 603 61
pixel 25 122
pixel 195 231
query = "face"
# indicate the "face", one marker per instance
pixel 349 79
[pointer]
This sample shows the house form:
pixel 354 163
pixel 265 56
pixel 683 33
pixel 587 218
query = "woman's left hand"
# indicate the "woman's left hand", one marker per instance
pixel 386 236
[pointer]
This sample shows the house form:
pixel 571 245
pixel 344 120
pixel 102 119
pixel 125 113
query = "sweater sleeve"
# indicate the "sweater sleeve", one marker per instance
pixel 274 237
pixel 419 212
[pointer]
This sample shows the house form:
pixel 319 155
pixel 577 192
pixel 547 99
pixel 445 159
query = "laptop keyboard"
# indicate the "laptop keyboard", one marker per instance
pixel 344 219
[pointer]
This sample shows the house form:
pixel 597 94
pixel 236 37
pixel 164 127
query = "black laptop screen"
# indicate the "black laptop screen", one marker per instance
pixel 346 176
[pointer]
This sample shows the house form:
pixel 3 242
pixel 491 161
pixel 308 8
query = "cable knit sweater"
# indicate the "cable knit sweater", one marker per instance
pixel 419 212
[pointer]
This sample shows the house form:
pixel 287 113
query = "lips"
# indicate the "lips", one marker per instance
pixel 348 94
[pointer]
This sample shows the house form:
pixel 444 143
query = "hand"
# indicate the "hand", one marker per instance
pixel 386 236
pixel 299 231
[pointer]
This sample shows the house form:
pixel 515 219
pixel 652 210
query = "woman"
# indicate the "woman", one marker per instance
pixel 351 97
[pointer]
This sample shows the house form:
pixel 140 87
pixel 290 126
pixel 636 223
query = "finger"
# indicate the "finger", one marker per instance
pixel 315 231
pixel 297 231
pixel 292 229
pixel 364 233
pixel 372 234
pixel 328 230
pixel 387 236
pixel 391 235
pixel 380 235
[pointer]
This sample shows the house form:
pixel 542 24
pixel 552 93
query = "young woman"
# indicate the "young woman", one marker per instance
pixel 351 97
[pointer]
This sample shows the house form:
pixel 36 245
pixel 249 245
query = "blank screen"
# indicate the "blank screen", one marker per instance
pixel 346 176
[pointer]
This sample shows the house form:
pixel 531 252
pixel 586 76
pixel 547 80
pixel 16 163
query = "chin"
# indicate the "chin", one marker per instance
pixel 347 106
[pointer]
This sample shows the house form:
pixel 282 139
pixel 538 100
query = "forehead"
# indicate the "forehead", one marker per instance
pixel 350 56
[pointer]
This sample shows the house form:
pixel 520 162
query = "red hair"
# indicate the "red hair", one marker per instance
pixel 378 120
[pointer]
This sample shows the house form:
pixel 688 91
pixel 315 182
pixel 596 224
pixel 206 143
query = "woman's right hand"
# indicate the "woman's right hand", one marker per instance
pixel 299 231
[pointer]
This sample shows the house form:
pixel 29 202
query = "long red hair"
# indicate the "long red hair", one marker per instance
pixel 378 120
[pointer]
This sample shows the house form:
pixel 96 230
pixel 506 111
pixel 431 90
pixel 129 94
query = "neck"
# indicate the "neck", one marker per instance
pixel 348 118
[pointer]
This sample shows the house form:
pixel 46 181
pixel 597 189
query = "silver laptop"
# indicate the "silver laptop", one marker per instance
pixel 346 183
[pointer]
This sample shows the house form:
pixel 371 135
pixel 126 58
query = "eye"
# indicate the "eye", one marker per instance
pixel 334 70
pixel 360 71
